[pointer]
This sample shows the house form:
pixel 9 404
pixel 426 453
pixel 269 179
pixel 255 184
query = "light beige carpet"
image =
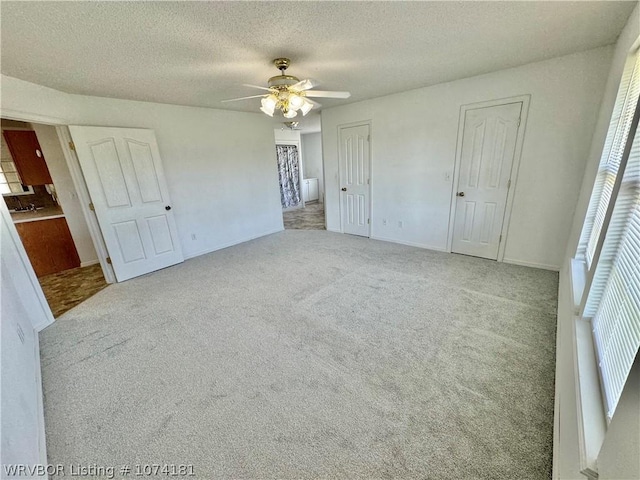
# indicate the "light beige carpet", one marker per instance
pixel 310 354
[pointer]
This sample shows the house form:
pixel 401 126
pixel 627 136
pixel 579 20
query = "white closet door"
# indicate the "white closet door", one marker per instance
pixel 125 178
pixel 488 149
pixel 354 179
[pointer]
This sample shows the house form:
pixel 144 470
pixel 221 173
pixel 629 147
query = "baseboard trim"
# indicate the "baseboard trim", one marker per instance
pixel 410 244
pixel 41 326
pixel 544 266
pixel 232 243
pixel 89 263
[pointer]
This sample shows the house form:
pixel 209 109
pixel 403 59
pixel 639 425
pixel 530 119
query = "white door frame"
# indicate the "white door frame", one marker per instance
pixel 298 145
pixel 342 126
pixel 85 199
pixel 78 180
pixel 28 268
pixel 526 100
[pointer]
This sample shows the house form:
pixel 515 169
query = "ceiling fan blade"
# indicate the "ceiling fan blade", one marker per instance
pixel 326 94
pixel 256 86
pixel 241 98
pixel 304 85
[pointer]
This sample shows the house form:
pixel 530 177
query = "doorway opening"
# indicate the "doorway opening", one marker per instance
pixel 300 162
pixel 289 176
pixel 43 202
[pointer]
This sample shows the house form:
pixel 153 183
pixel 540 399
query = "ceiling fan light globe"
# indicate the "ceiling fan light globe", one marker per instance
pixel 267 111
pixel 290 114
pixel 306 107
pixel 269 102
pixel 296 101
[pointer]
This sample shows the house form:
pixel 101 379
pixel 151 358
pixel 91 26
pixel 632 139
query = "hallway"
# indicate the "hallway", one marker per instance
pixel 311 217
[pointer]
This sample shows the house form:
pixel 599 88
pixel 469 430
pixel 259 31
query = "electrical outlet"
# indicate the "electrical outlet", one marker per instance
pixel 400 224
pixel 193 236
pixel 384 222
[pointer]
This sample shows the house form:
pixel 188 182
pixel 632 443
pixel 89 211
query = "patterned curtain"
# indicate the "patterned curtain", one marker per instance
pixel 289 175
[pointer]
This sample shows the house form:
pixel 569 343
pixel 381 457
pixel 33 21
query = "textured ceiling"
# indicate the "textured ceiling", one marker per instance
pixel 199 53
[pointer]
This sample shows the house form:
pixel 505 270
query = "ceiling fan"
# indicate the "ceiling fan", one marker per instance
pixel 289 94
pixel 290 125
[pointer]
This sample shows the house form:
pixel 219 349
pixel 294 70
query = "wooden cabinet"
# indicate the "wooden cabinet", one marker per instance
pixel 310 190
pixel 27 156
pixel 49 245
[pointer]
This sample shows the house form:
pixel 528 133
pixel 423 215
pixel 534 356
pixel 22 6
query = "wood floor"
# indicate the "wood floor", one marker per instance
pixel 67 289
pixel 311 217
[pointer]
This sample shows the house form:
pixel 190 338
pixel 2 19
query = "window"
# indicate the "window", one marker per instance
pixel 610 244
pixel 614 297
pixel 10 182
pixel 610 161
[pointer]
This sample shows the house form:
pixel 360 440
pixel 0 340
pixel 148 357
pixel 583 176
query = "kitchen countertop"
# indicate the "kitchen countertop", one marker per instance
pixel 46 213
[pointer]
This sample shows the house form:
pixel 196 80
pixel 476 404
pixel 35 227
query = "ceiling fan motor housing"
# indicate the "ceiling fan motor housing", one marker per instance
pixel 282 81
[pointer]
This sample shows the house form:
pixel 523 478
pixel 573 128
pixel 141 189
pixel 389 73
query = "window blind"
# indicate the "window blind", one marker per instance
pixel 614 297
pixel 619 126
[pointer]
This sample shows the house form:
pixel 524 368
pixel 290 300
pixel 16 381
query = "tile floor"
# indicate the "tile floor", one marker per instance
pixel 67 289
pixel 311 217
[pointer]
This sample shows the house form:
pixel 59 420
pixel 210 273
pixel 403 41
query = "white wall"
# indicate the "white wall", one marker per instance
pixel 312 150
pixel 413 149
pixel 286 135
pixel 21 310
pixel 619 457
pixel 218 164
pixel 41 103
pixel 620 454
pixel 66 191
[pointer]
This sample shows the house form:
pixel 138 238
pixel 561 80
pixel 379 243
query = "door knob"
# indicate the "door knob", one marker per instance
pixel 344 189
pixel 168 207
pixel 460 194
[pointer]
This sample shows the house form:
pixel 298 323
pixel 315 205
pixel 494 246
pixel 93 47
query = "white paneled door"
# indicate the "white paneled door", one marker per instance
pixel 124 175
pixel 354 179
pixel 488 149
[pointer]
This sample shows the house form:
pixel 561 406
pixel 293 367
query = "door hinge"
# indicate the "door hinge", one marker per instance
pixel 509 184
pixel 109 260
pixel 368 138
pixel 368 221
pixel 91 207
pixel 519 120
pixel 500 239
pixel 72 146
